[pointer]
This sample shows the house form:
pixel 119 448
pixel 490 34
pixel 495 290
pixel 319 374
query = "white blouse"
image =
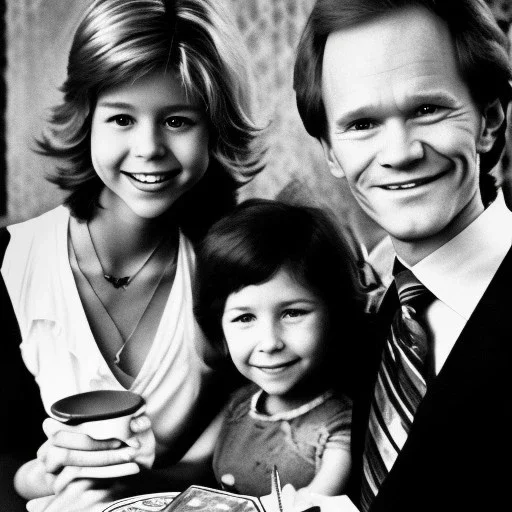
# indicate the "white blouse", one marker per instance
pixel 58 346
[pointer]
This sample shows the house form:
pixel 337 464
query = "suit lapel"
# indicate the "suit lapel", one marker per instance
pixel 475 372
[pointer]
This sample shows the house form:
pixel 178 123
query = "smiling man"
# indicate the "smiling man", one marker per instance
pixel 408 99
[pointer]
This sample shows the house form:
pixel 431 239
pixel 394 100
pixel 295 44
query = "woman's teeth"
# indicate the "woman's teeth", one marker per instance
pixel 149 178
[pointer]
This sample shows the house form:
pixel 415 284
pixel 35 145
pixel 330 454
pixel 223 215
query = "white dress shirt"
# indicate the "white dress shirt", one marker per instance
pixel 459 272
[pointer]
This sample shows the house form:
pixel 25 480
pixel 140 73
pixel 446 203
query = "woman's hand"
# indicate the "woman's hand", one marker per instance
pixel 67 451
pixel 143 441
pixel 32 481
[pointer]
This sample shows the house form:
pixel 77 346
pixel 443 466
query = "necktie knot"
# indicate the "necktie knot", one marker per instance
pixel 414 298
pixel 411 292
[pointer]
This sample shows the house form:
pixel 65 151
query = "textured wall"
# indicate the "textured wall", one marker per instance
pixel 271 30
pixel 39 34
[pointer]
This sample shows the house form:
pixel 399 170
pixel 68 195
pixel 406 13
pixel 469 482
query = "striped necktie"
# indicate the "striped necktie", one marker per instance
pixel 401 384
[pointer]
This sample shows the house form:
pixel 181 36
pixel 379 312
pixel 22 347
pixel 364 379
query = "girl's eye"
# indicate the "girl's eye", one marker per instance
pixel 426 110
pixel 294 313
pixel 243 319
pixel 122 120
pixel 361 124
pixel 177 122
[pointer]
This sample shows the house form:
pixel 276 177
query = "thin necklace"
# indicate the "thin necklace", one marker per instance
pixel 121 282
pixel 124 341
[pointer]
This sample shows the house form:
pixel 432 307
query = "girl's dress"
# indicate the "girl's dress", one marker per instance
pixel 251 442
pixel 58 347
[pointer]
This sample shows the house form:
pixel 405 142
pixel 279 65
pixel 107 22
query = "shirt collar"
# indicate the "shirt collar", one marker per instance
pixel 459 272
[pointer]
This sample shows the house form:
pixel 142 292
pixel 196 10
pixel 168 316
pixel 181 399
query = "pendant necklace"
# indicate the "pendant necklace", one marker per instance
pixel 144 301
pixel 121 282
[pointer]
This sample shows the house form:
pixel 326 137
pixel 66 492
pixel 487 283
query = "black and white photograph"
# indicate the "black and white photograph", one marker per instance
pixel 255 255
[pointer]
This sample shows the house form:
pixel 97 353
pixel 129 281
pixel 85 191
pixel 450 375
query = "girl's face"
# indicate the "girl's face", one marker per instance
pixel 149 144
pixel 276 333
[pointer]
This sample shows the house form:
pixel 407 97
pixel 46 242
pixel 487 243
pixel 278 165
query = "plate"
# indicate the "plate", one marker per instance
pixel 155 502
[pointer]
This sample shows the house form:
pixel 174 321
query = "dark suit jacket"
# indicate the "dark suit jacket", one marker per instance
pixel 458 455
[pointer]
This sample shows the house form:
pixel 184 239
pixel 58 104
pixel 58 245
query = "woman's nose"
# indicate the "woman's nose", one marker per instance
pixel 149 142
pixel 399 147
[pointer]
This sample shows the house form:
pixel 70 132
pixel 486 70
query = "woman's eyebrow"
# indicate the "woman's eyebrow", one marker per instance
pixel 242 309
pixel 174 107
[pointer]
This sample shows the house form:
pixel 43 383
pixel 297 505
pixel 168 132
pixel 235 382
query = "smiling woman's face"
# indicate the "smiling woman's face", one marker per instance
pixel 402 124
pixel 149 144
pixel 276 333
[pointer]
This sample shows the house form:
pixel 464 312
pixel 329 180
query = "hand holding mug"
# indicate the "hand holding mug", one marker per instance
pixel 99 434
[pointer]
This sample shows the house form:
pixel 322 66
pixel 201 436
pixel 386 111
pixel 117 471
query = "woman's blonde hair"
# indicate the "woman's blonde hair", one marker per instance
pixel 119 41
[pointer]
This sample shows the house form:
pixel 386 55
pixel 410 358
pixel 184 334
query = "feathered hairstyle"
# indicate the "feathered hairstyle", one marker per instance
pixel 119 41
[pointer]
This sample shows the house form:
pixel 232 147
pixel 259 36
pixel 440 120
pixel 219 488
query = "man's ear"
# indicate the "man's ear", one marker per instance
pixel 493 117
pixel 334 166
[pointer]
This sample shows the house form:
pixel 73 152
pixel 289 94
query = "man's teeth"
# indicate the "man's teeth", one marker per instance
pixel 149 178
pixel 401 187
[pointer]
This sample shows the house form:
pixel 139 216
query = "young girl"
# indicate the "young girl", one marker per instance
pixel 277 290
pixel 153 137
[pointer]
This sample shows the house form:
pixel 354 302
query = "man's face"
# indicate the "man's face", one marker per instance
pixel 403 127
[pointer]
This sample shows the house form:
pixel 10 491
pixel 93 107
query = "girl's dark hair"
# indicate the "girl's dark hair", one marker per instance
pixel 119 41
pixel 259 238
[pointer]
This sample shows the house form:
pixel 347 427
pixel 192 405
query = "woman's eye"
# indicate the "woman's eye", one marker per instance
pixel 177 122
pixel 426 110
pixel 122 120
pixel 243 319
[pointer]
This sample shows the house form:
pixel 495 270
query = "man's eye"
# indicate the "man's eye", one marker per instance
pixel 177 122
pixel 426 110
pixel 362 124
pixel 122 120
pixel 243 319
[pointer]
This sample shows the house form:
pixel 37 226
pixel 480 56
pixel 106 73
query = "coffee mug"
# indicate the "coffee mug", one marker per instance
pixel 102 414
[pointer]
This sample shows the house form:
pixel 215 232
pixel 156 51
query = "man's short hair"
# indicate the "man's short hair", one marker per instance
pixel 481 51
